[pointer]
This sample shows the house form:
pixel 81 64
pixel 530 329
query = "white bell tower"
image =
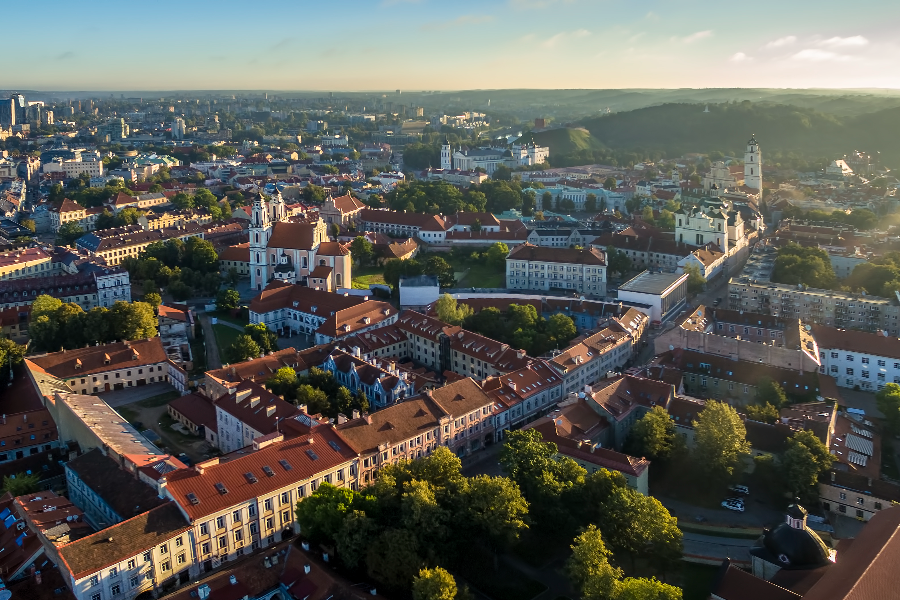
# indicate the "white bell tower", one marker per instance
pixel 753 165
pixel 446 160
pixel 260 230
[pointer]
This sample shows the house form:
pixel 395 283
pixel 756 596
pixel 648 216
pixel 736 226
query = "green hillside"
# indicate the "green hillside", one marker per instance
pixel 563 141
pixel 676 129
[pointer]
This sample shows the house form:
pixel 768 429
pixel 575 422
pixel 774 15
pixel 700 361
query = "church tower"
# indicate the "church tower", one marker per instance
pixel 279 211
pixel 446 160
pixel 753 165
pixel 260 230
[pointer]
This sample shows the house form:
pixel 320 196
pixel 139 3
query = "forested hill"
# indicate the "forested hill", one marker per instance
pixel 562 140
pixel 681 128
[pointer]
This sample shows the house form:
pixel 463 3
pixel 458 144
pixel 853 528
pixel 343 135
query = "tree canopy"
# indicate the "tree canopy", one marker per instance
pixel 55 325
pixel 721 439
pixel 521 327
pixel 809 266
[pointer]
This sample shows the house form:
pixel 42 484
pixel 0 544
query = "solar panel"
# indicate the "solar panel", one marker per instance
pixel 857 459
pixel 861 445
pixel 268 471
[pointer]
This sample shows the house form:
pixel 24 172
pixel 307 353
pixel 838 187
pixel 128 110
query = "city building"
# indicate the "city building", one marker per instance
pixel 250 412
pixel 343 210
pixel 68 212
pixel 531 267
pixel 383 383
pixel 327 316
pixel 660 295
pixel 93 286
pixel 523 395
pixel 589 360
pixel 235 257
pixel 225 380
pixel 858 358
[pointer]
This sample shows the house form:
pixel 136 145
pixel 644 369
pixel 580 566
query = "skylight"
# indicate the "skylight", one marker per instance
pixel 285 464
pixel 268 471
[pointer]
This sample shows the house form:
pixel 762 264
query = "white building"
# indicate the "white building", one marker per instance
pixel 663 293
pixel 518 155
pixel 74 168
pixel 531 267
pixel 712 221
pixel 753 165
pixel 858 358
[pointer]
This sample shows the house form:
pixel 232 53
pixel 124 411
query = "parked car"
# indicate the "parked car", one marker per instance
pixel 743 490
pixel 731 504
pixel 717 301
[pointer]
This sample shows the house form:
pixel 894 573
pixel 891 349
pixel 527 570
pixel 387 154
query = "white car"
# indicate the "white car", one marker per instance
pixel 731 505
pixel 743 490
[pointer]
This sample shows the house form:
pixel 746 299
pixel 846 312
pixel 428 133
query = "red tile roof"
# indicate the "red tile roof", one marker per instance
pixel 297 453
pixel 100 359
pixel 585 256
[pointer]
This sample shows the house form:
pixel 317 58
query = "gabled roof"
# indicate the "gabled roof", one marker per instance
pixel 256 407
pixel 122 541
pixel 297 236
pixel 584 256
pixel 394 424
pixel 99 359
pixel 323 443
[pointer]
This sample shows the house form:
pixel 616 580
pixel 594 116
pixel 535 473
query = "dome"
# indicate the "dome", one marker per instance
pixel 793 545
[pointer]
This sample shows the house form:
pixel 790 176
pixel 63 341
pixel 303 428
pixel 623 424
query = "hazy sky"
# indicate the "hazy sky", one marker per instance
pixel 449 44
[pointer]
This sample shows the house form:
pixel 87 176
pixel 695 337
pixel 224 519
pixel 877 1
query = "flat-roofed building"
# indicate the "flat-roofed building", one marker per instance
pixel 664 293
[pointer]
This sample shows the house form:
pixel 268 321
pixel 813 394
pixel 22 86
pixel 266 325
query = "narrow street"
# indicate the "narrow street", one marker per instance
pixel 213 361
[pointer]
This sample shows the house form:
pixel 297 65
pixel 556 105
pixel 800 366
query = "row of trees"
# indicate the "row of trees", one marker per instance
pixel 520 326
pixel 257 339
pixel 721 449
pixel 184 268
pixel 860 218
pixel 809 266
pixel 55 325
pixel 433 197
pixel 319 391
pixel 423 518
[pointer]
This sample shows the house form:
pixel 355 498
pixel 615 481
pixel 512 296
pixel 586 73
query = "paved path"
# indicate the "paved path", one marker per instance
pixel 713 547
pixel 213 361
pixel 135 394
pixel 229 324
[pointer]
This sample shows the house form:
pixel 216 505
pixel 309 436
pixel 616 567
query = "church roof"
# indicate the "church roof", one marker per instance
pixel 297 236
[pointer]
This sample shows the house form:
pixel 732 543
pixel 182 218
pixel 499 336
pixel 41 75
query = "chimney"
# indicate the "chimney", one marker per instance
pixel 355 414
pixel 341 419
pixel 369 419
pixel 306 568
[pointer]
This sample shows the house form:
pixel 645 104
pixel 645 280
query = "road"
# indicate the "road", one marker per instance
pixel 213 361
pixel 713 547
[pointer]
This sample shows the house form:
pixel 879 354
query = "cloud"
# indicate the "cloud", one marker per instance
pixel 839 42
pixel 652 16
pixel 281 44
pixel 816 55
pixel 740 57
pixel 457 22
pixel 782 41
pixel 66 55
pixel 565 35
pixel 694 37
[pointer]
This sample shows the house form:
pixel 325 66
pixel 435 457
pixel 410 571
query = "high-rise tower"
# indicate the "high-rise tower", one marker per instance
pixel 446 160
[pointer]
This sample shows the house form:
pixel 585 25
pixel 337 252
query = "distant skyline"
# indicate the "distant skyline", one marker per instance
pixel 431 45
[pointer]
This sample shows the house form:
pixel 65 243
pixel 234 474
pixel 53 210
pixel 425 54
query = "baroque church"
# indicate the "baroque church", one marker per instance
pixel 716 219
pixel 292 250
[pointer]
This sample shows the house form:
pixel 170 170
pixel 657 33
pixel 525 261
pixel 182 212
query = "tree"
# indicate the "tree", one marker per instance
pixel 653 435
pixel 590 203
pixel 496 255
pixel 609 183
pixel 28 224
pixel 696 282
pixel 179 290
pixel 394 558
pixel 494 508
pixel 617 260
pixel 771 392
pixel 809 266
pixel 435 265
pixel 639 588
pixel 434 584
pixel 133 321
pixel 68 233
pixel 315 400
pixel 450 311
pixel 265 338
pixel 546 202
pixel 721 439
pixel 21 484
pixel 589 568
pixel 561 329
pixel 764 413
pixel 805 459
pixel 11 355
pixel 153 299
pixel 502 173
pixel 361 250
pixel 321 515
pixel 334 231
pixel 476 226
pixel 313 194
pixel 228 299
pixel 243 348
pixel 353 539
pixel 283 382
pixel 888 401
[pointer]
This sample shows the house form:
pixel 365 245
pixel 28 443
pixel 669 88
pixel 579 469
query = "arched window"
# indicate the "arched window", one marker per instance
pixel 257 238
pixel 257 272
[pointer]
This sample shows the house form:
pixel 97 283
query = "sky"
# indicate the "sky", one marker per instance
pixel 450 45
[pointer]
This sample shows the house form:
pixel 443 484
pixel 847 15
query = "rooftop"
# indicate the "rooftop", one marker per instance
pixel 653 283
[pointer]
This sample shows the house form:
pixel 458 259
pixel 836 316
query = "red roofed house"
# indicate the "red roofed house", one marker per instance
pixel 342 210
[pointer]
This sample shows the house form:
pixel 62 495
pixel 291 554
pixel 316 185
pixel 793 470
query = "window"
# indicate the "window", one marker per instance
pixel 220 522
pixel 860 501
pixel 865 360
pixel 849 371
pixel 204 548
pixel 285 498
pixel 95 596
pixel 178 542
pixel 285 517
pixel 114 572
pixel 132 563
pixel 95 580
pixel 204 529
pixel 238 535
pixel 115 590
pixel 859 514
pixel 135 581
pixel 849 358
pixel 842 508
pixel 834 355
pixel 878 506
pixel 251 510
pixel 147 556
pixel 843 496
pixel 223 541
pixel 267 505
pixel 880 363
pixel 270 523
pixel 236 516
pixel 164 549
pixel 180 560
pixel 166 566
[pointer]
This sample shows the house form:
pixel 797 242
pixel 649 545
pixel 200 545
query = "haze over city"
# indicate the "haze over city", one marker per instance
pixel 426 44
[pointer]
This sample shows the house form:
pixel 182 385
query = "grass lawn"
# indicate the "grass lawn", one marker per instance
pixel 225 337
pixel 363 277
pixel 129 414
pixel 223 315
pixel 479 275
